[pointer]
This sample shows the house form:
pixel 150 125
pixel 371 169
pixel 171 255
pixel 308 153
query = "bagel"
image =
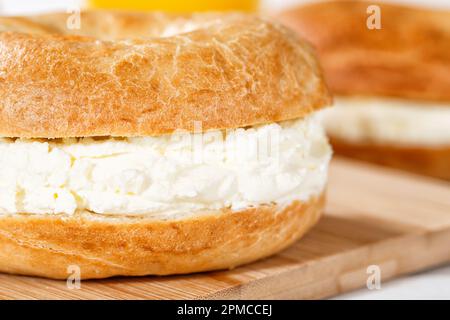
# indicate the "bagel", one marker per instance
pixel 155 144
pixel 391 84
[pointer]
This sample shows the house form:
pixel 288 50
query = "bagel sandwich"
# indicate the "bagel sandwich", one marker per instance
pixel 392 104
pixel 155 144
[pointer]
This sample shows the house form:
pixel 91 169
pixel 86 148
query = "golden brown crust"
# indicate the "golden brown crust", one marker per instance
pixel 46 245
pixel 409 57
pixel 117 76
pixel 434 162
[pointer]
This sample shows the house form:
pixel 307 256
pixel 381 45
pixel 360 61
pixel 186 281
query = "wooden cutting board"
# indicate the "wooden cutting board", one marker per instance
pixel 375 216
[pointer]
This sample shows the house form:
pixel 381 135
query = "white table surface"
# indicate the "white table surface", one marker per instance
pixel 432 284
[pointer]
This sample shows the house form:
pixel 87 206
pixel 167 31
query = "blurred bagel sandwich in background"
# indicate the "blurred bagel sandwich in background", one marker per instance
pixel 391 81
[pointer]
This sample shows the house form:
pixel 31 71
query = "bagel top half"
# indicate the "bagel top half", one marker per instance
pixel 148 74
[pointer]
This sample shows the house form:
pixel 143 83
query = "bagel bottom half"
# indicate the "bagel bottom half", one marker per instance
pixel 102 246
pixel 430 161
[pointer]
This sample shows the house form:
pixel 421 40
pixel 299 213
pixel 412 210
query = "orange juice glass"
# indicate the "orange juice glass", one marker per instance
pixel 177 5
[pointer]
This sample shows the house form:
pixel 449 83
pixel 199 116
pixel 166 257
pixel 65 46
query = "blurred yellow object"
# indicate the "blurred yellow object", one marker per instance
pixel 177 5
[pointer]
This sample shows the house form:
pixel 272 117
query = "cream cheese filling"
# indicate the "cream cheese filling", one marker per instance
pixel 183 172
pixel 389 121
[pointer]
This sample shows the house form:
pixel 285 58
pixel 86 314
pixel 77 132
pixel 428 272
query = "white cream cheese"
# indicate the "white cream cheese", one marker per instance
pixel 174 173
pixel 390 121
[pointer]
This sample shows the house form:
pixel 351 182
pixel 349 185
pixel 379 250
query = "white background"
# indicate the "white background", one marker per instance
pixel 434 284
